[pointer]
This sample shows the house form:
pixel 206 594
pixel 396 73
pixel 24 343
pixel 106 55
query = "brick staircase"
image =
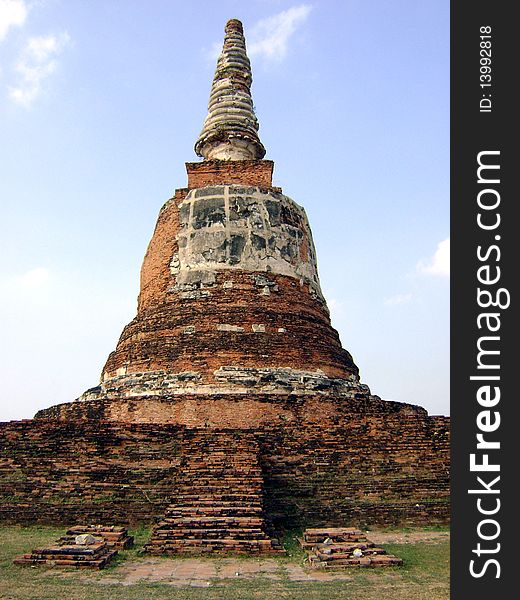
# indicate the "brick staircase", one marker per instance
pixel 218 504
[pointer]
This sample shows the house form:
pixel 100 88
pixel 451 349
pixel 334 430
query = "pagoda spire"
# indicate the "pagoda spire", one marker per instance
pixel 230 128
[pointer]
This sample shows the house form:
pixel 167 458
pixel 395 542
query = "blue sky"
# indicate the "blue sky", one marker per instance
pixel 100 105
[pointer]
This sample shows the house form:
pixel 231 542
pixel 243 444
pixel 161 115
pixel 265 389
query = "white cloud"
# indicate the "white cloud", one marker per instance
pixel 398 299
pixel 31 285
pixel 41 48
pixel 36 64
pixel 269 37
pixel 335 305
pixel 214 52
pixel 439 264
pixel 12 14
pixel 35 278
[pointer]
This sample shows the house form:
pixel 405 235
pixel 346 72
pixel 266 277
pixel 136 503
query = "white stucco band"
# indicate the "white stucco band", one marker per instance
pixel 243 228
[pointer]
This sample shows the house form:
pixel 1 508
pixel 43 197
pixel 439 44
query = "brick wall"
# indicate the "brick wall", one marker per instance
pixel 372 465
pixel 155 271
pixel 386 469
pixel 230 411
pixel 214 172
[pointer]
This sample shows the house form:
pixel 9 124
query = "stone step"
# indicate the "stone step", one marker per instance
pixel 365 561
pixel 114 536
pixel 209 522
pixel 185 534
pixel 198 546
pixel 198 511
pixel 216 494
pixel 203 504
pixel 219 470
pixel 231 475
pixel 208 467
pixel 241 454
pixel 94 556
pixel 217 483
pixel 217 521
pixel 63 562
pixel 338 534
pixel 335 555
pixel 343 547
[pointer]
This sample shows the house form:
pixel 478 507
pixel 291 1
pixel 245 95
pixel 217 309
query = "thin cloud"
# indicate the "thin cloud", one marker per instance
pixel 439 264
pixel 35 278
pixel 398 299
pixel 214 52
pixel 335 306
pixel 269 38
pixel 12 14
pixel 37 64
pixel 34 283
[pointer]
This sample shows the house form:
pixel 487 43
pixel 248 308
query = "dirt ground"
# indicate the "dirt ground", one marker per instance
pixel 203 572
pixel 196 572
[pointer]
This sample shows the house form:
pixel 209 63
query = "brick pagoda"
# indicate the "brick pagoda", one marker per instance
pixel 229 404
pixel 231 318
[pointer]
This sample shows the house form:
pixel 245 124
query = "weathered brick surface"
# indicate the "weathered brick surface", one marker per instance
pixel 244 172
pixel 218 505
pixel 232 411
pixel 366 469
pixel 183 334
pixel 155 272
pixel 90 472
pixel 206 305
pixel 369 466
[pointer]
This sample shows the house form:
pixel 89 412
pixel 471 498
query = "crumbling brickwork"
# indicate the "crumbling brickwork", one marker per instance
pixel 220 172
pixel 372 466
pixel 236 324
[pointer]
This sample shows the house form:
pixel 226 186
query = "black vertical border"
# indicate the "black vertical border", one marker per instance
pixel 473 131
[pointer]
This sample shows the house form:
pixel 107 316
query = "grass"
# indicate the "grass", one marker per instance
pixel 424 576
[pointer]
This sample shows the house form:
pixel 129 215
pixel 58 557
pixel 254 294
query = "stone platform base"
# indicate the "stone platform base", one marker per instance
pixel 361 462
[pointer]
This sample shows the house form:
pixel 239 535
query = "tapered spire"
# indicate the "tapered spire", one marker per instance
pixel 230 129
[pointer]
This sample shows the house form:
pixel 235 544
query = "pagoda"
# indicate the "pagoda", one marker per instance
pixel 229 406
pixel 230 308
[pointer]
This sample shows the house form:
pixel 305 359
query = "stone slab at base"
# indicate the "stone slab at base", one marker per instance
pixel 113 536
pixel 95 556
pixel 340 548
